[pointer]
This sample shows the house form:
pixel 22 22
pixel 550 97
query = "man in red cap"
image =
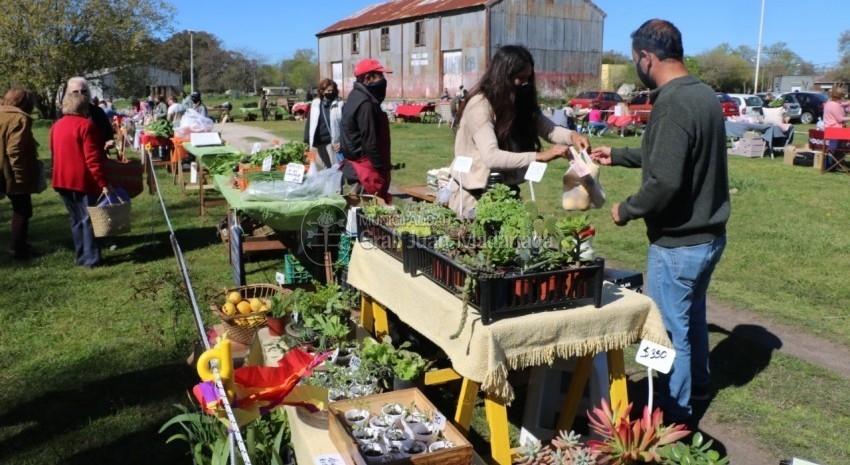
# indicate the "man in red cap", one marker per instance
pixel 365 129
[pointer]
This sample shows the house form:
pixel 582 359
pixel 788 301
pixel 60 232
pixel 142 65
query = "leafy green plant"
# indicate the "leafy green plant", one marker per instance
pixel 384 359
pixel 161 128
pixel 290 152
pixel 698 452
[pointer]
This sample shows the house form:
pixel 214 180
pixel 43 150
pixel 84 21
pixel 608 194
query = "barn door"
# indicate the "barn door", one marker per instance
pixel 452 71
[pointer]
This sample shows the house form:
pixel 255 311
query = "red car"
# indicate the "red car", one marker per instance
pixel 640 105
pixel 730 107
pixel 605 100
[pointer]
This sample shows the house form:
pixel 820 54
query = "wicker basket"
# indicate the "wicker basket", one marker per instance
pixel 241 328
pixel 110 220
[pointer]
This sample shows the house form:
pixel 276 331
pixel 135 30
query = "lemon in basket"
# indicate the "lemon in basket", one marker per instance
pixel 234 297
pixel 244 307
pixel 229 309
pixel 256 304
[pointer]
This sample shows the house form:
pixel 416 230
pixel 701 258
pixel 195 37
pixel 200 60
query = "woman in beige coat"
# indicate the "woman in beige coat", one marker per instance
pixel 20 171
pixel 500 128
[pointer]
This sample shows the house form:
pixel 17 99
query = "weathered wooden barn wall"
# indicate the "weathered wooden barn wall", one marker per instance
pixel 565 37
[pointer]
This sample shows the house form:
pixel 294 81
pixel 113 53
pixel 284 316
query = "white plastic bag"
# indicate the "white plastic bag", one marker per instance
pixel 317 184
pixel 193 121
pixel 581 184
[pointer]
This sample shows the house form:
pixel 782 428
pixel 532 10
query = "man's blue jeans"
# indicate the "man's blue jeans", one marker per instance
pixel 677 280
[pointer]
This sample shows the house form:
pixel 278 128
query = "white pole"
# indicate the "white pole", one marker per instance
pixel 758 50
pixel 192 61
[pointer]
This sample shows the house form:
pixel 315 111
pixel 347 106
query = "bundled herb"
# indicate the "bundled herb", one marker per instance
pixel 160 128
pixel 290 152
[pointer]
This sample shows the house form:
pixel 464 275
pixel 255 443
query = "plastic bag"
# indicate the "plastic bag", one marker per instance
pixel 317 184
pixel 192 121
pixel 581 184
pixel 117 196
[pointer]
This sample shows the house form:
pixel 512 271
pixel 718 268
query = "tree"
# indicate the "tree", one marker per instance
pixel 842 72
pixel 42 44
pixel 723 69
pixel 613 57
pixel 301 71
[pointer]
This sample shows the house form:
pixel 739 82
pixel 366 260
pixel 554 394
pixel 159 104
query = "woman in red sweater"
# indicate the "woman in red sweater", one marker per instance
pixel 78 176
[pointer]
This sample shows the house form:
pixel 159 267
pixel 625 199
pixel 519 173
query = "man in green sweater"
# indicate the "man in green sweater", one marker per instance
pixel 684 202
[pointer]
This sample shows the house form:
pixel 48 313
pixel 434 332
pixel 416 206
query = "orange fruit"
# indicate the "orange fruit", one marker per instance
pixel 244 307
pixel 228 309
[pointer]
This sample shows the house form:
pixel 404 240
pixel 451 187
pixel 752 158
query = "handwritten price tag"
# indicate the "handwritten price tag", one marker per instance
pixel 655 356
pixel 439 421
pixel 267 163
pixel 280 278
pixel 535 171
pixel 294 173
pixel 328 459
pixel 355 362
pixel 462 164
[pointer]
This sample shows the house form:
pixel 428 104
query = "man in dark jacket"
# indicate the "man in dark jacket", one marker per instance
pixel 684 201
pixel 365 129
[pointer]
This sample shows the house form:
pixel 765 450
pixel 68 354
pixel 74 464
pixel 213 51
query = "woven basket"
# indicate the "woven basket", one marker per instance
pixel 110 220
pixel 241 328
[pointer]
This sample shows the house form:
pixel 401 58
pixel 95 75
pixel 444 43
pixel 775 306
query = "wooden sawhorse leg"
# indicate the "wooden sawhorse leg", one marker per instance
pixel 373 317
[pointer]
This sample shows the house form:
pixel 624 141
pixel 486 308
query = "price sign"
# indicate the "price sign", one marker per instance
pixel 294 173
pixel 335 354
pixel 535 171
pixel 193 172
pixel 655 356
pixel 280 278
pixel 439 421
pixel 267 163
pixel 328 459
pixel 355 362
pixel 462 164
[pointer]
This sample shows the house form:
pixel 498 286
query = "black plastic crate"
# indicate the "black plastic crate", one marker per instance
pixel 378 235
pixel 499 296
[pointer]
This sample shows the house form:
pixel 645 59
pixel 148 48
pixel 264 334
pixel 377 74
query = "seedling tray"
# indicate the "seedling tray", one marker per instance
pixel 513 293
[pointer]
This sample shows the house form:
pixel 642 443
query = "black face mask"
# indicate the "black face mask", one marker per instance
pixel 644 76
pixel 329 98
pixel 378 89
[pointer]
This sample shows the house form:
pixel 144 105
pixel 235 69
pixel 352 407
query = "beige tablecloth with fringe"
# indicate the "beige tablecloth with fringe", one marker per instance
pixel 484 354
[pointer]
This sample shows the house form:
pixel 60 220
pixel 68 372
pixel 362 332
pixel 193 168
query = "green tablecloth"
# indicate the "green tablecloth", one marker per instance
pixel 285 215
pixel 207 153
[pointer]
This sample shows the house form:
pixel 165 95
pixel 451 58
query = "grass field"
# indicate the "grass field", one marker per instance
pixel 94 359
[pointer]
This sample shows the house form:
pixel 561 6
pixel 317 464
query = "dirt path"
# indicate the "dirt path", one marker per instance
pixel 785 339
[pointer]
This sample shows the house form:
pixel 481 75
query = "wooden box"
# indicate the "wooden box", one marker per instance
pixel 750 148
pixel 340 432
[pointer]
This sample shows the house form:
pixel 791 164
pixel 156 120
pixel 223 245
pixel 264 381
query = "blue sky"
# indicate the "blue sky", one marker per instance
pixel 274 29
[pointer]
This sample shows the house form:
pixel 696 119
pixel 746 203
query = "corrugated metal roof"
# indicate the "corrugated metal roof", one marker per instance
pixel 398 10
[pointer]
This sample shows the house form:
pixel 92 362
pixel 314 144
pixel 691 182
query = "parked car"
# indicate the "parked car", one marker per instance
pixel 811 105
pixel 792 109
pixel 748 104
pixel 605 99
pixel 730 108
pixel 640 105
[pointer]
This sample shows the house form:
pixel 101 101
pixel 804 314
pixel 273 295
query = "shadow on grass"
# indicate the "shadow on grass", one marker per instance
pixel 62 412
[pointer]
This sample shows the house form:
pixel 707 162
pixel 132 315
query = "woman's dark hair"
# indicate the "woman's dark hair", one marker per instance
pixel 515 115
pixel 20 98
pixel 659 37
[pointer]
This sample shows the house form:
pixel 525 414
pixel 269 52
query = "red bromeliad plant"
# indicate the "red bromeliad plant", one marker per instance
pixel 627 442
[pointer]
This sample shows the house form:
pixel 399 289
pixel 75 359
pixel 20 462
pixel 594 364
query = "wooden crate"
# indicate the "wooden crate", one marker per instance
pixel 340 432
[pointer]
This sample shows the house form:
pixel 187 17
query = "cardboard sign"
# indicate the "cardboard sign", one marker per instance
pixel 655 356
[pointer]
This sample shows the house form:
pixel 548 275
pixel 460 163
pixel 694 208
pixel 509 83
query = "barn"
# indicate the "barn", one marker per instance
pixel 435 44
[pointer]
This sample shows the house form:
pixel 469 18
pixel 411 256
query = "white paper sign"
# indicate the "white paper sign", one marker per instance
pixel 280 278
pixel 525 436
pixel 439 421
pixel 535 171
pixel 655 356
pixel 267 163
pixel 355 362
pixel 294 173
pixel 462 164
pixel 193 172
pixel 328 459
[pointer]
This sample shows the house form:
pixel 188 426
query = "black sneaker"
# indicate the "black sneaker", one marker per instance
pixel 700 393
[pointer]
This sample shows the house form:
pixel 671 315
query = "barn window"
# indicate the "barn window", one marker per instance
pixel 419 41
pixel 385 39
pixel 355 42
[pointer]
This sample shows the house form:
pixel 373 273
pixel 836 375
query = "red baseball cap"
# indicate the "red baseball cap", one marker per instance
pixel 369 65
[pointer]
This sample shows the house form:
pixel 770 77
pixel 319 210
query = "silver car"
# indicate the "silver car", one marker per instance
pixel 792 109
pixel 749 104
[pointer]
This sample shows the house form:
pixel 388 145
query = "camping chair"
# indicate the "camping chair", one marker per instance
pixel 836 143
